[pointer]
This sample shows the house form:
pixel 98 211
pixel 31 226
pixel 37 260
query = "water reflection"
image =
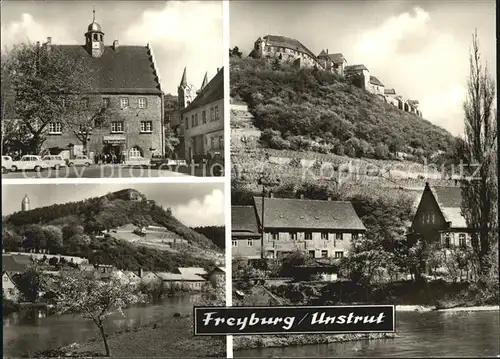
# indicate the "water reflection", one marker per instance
pixel 474 334
pixel 30 331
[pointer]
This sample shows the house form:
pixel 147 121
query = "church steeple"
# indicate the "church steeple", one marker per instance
pixel 205 81
pixel 94 38
pixel 186 93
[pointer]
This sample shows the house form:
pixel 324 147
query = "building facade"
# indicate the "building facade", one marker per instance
pixel 438 218
pixel 126 89
pixel 284 49
pixel 10 290
pixel 323 229
pixel 203 120
pixel 334 63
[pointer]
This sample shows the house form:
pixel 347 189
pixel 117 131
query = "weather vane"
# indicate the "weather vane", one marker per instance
pixel 93 12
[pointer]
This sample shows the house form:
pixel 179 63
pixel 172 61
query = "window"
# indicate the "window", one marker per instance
pixel 95 37
pixel 355 236
pixel 324 253
pixel 55 128
pixel 211 114
pixel 134 152
pixel 250 242
pixel 275 236
pixel 213 142
pixel 339 254
pixel 216 113
pixel 293 236
pixel 462 242
pixel 221 141
pixel 447 240
pixel 84 102
pixel 324 235
pixel 192 121
pixel 235 243
pixel 196 119
pixel 339 236
pixel 105 102
pixel 142 102
pixel 312 254
pixel 99 121
pixel 116 126
pixel 308 236
pixel 123 102
pixel 432 217
pixel 186 123
pixel 204 116
pixel 146 126
pixel 100 37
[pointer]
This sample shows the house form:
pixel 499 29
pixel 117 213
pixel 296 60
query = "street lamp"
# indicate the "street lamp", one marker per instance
pixel 264 181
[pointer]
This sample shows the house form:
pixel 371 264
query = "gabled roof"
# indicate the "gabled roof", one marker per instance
pixel 287 42
pixel 449 200
pixel 129 69
pixel 355 68
pixel 192 271
pixel 337 58
pixel 218 269
pixel 244 220
pixel 213 91
pixel 375 81
pixel 308 214
pixel 389 91
pixel 170 277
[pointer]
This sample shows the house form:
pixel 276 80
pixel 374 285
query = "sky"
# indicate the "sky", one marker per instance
pixel 182 33
pixel 194 204
pixel 420 48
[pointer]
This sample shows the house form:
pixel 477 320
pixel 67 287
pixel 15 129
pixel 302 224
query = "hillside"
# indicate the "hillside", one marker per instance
pixel 308 110
pixel 76 229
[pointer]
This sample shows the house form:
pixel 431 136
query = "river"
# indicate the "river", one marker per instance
pixel 428 334
pixel 31 331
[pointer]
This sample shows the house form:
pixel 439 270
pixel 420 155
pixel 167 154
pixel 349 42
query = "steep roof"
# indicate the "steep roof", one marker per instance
pixel 192 271
pixel 213 91
pixel 355 68
pixel 449 200
pixel 244 220
pixel 337 58
pixel 287 42
pixel 389 91
pixel 375 81
pixel 308 214
pixel 129 69
pixel 184 78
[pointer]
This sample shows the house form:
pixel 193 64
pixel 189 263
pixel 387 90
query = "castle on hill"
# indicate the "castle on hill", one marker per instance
pixel 292 51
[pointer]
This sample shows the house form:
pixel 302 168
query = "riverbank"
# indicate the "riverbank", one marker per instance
pixel 171 337
pixel 277 341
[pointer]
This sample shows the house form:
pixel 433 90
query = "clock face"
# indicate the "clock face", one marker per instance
pixel 95 45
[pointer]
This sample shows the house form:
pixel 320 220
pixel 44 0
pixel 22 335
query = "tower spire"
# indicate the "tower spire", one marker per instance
pixel 184 78
pixel 205 81
pixel 93 14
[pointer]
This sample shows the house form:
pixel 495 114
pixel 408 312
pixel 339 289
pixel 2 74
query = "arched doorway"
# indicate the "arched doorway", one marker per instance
pixel 112 153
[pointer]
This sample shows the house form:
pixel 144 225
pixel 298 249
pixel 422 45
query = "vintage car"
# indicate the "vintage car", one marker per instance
pixel 80 160
pixel 54 161
pixel 29 163
pixel 6 164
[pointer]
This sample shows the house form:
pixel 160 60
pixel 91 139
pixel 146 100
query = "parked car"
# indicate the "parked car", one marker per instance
pixel 80 160
pixel 54 161
pixel 6 164
pixel 29 163
pixel 137 161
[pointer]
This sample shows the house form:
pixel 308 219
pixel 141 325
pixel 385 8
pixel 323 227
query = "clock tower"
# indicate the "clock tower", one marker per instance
pixel 94 38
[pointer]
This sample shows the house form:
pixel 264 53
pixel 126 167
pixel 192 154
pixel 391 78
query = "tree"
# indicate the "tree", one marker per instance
pixel 37 81
pixel 276 65
pixel 171 141
pixel 235 52
pixel 29 283
pixel 82 116
pixel 480 190
pixel 92 299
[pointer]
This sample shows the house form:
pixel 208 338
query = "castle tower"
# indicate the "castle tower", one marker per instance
pixel 25 204
pixel 94 38
pixel 205 81
pixel 186 93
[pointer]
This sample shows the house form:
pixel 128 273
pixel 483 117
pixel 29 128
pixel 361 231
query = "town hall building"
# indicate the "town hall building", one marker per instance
pixel 126 83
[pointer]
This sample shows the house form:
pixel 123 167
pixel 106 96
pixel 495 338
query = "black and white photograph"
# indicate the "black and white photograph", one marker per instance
pixel 364 171
pixel 111 270
pixel 112 89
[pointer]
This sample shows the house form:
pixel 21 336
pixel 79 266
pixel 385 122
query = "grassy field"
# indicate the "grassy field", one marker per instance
pixel 171 338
